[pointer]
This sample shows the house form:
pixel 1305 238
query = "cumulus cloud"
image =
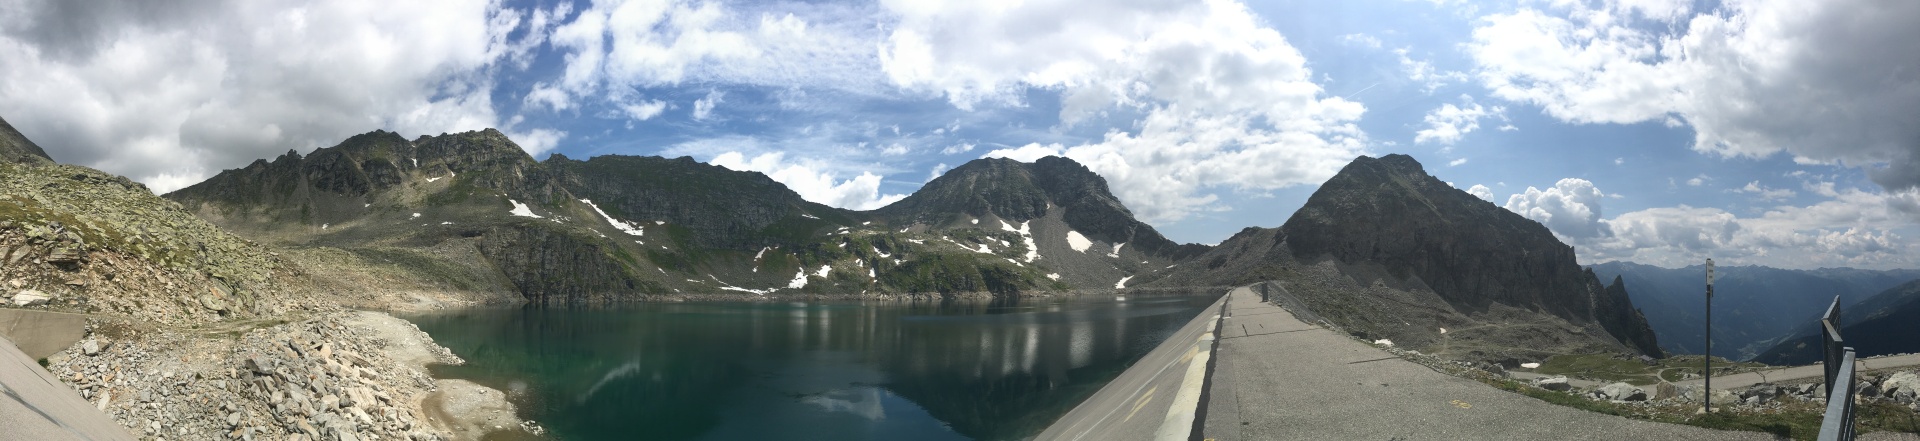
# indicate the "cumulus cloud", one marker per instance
pixel 857 193
pixel 1448 123
pixel 1827 82
pixel 167 92
pixel 1481 191
pixel 1226 100
pixel 1570 208
pixel 1027 153
pixel 1851 228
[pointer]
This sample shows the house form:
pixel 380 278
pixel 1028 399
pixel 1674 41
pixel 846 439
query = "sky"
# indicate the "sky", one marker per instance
pixel 1755 132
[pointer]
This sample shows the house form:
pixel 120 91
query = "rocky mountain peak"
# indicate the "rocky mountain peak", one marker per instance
pixel 1472 253
pixel 1018 191
pixel 16 148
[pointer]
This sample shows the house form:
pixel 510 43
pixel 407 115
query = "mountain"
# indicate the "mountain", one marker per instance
pixel 1880 325
pixel 472 212
pixel 1755 307
pixel 1061 206
pixel 16 148
pixel 1387 251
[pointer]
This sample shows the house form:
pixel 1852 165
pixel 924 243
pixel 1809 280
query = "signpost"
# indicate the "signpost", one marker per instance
pixel 1709 383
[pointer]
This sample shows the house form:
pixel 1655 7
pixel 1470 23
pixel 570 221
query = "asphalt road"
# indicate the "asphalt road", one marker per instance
pixel 36 406
pixel 1736 381
pixel 1155 399
pixel 1279 378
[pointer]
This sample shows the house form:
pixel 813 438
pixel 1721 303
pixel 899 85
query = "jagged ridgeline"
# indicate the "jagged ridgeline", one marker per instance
pixel 472 211
pixel 1388 251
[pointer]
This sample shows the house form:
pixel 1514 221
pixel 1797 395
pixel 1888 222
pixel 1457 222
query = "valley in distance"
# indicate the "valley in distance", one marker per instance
pixel 267 301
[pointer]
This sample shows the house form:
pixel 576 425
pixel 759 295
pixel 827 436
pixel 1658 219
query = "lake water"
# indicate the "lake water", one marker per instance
pixel 806 371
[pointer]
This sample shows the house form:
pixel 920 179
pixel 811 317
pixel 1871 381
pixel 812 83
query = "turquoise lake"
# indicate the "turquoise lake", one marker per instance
pixel 806 371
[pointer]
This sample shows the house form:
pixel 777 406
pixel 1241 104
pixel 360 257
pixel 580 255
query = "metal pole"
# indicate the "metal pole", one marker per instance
pixel 1708 396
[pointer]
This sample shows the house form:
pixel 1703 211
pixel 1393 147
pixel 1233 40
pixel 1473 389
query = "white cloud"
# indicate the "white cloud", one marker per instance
pixel 167 94
pixel 1764 192
pixel 1430 79
pixel 937 171
pixel 1570 208
pixel 1851 228
pixel 614 47
pixel 1699 180
pixel 1448 123
pixel 1481 191
pixel 1026 153
pixel 643 110
pixel 1618 161
pixel 858 193
pixel 703 108
pixel 958 148
pixel 1226 101
pixel 1827 82
pixel 1457 162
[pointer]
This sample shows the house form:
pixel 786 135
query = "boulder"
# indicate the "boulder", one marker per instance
pixel 1622 392
pixel 1554 383
pixel 1901 386
pixel 90 347
pixel 30 298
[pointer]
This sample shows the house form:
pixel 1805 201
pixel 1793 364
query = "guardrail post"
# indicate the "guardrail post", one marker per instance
pixel 1837 425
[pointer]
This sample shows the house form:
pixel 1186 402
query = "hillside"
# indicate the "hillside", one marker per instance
pixel 1387 251
pixel 1755 307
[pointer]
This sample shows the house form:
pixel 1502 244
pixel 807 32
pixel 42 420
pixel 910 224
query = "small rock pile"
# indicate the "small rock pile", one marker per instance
pixel 314 380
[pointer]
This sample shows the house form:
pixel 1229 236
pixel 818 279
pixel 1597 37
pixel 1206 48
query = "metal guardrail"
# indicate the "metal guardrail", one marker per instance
pixel 1837 425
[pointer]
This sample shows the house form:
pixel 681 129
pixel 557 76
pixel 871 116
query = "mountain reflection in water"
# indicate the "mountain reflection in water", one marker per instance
pixel 818 370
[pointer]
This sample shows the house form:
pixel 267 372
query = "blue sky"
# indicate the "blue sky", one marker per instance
pixel 1772 132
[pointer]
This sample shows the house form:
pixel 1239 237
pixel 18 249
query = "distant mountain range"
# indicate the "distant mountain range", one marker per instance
pixel 1755 307
pixel 1887 323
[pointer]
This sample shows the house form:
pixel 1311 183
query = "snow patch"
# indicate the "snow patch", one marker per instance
pixel 799 280
pixel 1530 365
pixel 323 227
pixel 984 250
pixel 866 223
pixel 446 223
pixel 871 274
pixel 1122 284
pixel 762 253
pixel 659 222
pixel 416 162
pixel 1384 342
pixel 808 216
pixel 917 241
pixel 1078 242
pixel 882 254
pixel 416 216
pixel 1054 276
pixel 521 210
pixel 976 221
pixel 630 229
pixel 435 179
pixel 824 270
pixel 1116 250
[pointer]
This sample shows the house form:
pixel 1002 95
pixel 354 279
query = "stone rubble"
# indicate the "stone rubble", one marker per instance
pixel 316 379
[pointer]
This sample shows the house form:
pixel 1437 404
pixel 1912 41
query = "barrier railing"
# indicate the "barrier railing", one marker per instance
pixel 1837 425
